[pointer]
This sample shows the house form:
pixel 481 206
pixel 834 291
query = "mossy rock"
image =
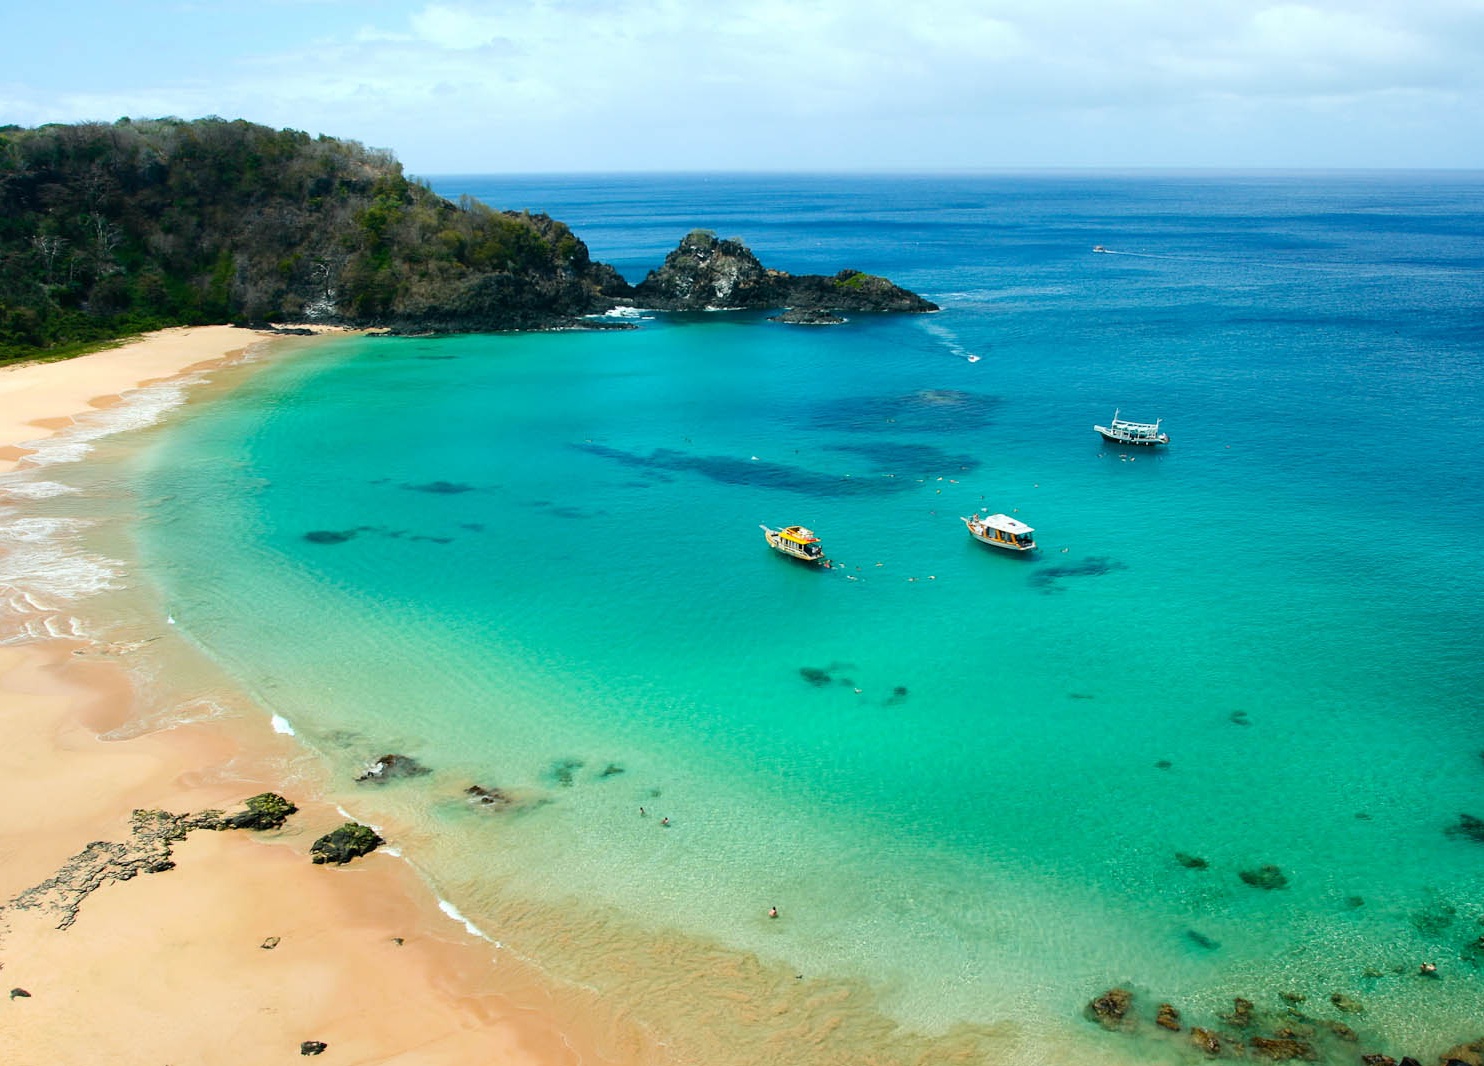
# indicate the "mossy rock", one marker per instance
pixel 350 841
pixel 266 810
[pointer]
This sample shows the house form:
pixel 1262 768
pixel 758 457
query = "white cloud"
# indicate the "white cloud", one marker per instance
pixel 461 84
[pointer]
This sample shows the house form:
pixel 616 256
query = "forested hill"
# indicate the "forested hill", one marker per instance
pixel 113 229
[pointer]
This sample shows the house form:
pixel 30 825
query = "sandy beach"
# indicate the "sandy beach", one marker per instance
pixel 244 949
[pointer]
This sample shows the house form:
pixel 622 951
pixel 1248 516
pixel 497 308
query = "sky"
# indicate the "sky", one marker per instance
pixel 559 86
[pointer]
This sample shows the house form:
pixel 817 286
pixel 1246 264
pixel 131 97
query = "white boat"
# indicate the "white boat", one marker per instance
pixel 1002 531
pixel 1139 434
pixel 798 542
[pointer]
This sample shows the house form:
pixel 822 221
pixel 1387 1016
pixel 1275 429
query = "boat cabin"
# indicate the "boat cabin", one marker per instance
pixel 1002 531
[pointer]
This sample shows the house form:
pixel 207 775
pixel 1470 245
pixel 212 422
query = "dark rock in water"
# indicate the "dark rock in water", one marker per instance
pixel 1201 940
pixel 1241 1015
pixel 1378 1060
pixel 815 676
pixel 393 767
pixel 1355 902
pixel 1163 764
pixel 313 1047
pixel 1206 1040
pixel 1238 718
pixel 1110 1010
pixel 1342 1031
pixel 1408 1060
pixel 19 993
pixel 329 536
pixel 441 488
pixel 808 316
pixel 487 797
pixel 350 841
pixel 1362 816
pixel 1467 1054
pixel 1348 1004
pixel 1281 1048
pixel 266 810
pixel 1167 1017
pixel 611 770
pixel 705 273
pixel 1266 877
pixel 1468 827
pixel 1191 862
pixel 270 943
pixel 1292 998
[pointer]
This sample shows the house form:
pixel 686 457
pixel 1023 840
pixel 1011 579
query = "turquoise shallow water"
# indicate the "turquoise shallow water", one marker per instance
pixel 535 563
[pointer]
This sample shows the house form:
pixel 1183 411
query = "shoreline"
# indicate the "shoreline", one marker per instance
pixel 367 959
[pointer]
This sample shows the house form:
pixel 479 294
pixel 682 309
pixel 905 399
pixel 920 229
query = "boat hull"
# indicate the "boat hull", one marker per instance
pixel 1132 442
pixel 1004 546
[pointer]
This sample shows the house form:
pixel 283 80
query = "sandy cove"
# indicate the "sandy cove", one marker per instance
pixel 171 967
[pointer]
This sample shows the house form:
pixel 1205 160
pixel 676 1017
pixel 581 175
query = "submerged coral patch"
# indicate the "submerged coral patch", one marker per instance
pixel 755 473
pixel 937 411
pixel 1045 578
pixel 564 771
pixel 330 536
pixel 441 488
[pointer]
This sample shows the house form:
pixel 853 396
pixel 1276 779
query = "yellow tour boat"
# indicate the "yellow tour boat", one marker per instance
pixel 798 542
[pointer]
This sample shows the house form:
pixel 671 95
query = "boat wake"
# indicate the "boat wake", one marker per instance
pixel 950 341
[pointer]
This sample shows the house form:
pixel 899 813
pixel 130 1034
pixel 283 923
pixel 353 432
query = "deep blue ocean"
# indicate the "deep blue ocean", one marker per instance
pixel 979 789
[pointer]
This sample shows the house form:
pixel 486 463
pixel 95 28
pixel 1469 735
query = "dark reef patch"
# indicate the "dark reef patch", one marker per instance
pixel 1191 862
pixel 1267 877
pixel 564 771
pixel 819 677
pixel 815 676
pixel 441 488
pixel 1045 578
pixel 759 474
pixel 330 536
pixel 908 460
pixel 1468 828
pixel 936 411
pixel 1201 940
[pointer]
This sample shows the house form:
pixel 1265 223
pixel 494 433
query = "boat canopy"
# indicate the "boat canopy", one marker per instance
pixel 1005 524
pixel 798 535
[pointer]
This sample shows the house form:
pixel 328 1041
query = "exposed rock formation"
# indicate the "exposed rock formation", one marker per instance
pixel 148 849
pixel 350 841
pixel 705 273
pixel 1167 1017
pixel 267 810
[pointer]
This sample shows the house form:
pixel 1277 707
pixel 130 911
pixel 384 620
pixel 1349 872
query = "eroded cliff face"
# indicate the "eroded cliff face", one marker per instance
pixel 705 273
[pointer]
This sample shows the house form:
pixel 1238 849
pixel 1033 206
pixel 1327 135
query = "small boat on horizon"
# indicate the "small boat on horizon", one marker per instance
pixel 1139 434
pixel 1098 248
pixel 797 542
pixel 1002 531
